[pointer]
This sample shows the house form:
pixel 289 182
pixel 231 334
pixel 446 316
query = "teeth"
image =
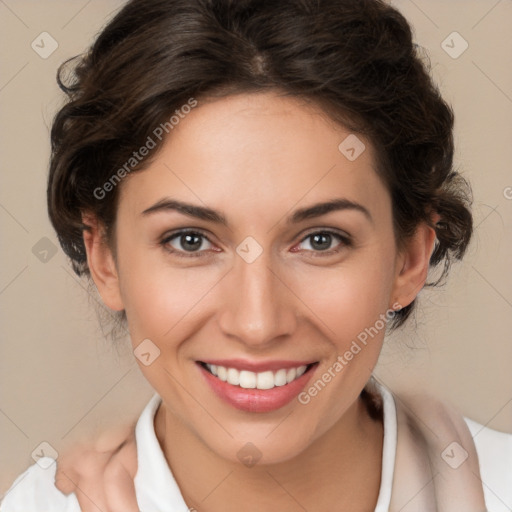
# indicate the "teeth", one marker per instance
pixel 233 377
pixel 247 379
pixel 251 380
pixel 280 378
pixel 301 370
pixel 291 374
pixel 222 373
pixel 265 380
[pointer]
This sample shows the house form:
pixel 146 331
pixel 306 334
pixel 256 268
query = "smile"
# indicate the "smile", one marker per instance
pixel 251 380
pixel 257 391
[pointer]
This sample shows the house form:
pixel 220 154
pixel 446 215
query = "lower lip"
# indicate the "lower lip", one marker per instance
pixel 257 400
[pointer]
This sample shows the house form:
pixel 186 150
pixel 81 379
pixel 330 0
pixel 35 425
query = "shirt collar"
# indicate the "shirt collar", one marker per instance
pixel 156 488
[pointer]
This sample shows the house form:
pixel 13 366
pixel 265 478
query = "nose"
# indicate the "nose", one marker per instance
pixel 258 308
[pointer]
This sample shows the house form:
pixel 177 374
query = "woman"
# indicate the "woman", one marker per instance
pixel 260 189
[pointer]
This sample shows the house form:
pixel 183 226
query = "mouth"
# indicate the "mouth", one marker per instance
pixel 257 391
pixel 256 380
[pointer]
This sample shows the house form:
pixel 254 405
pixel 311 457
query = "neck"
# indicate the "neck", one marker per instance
pixel 339 470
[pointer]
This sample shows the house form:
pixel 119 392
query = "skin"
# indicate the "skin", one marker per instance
pixel 256 158
pixel 101 472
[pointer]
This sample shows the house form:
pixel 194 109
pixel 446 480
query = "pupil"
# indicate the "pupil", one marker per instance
pixel 321 241
pixel 189 243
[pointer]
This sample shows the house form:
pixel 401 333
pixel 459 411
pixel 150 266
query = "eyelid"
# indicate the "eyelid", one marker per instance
pixel 345 239
pixel 183 231
pixel 333 231
pixel 172 235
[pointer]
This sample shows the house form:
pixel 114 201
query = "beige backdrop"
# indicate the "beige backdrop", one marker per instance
pixel 60 379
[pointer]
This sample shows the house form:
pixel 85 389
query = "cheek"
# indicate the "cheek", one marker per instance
pixel 349 306
pixel 350 297
pixel 160 299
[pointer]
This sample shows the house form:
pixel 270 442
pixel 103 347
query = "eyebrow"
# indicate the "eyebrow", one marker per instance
pixel 204 213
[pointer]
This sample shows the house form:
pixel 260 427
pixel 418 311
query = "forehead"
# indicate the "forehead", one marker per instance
pixel 256 150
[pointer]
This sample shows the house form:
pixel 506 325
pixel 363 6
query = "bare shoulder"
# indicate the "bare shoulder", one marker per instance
pixel 35 490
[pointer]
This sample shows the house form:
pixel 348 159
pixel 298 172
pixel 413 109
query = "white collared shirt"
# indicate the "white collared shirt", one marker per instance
pixel 157 490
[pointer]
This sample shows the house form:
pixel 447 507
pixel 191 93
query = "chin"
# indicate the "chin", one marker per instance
pixel 256 445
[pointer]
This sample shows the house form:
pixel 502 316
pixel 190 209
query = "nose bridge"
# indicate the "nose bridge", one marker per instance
pixel 258 308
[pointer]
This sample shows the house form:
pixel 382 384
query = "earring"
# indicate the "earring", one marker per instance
pixel 396 303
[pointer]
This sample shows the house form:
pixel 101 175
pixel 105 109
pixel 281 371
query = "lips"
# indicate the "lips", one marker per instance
pixel 256 387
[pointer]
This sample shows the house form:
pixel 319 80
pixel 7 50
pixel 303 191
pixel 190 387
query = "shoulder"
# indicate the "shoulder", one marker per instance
pixel 494 451
pixel 35 490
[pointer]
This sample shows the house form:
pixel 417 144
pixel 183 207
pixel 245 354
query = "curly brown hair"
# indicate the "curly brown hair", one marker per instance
pixel 354 58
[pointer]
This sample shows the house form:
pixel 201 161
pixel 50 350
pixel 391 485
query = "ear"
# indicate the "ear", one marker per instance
pixel 101 263
pixel 412 265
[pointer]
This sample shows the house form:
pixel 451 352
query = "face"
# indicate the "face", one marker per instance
pixel 251 278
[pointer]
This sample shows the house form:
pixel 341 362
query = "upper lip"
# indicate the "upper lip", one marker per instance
pixel 257 366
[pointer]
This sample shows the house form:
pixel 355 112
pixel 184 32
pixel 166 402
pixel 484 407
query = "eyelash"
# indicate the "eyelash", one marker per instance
pixel 344 239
